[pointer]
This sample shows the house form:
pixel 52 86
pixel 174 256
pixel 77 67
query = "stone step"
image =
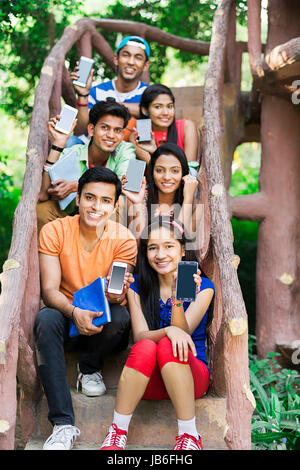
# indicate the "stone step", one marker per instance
pixel 37 444
pixel 153 423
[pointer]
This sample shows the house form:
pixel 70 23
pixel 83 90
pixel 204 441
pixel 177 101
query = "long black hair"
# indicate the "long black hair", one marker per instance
pixel 148 278
pixel 165 149
pixel 149 95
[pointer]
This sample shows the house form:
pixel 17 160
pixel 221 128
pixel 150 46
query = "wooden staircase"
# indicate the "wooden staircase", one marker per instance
pixel 153 426
pixel 224 415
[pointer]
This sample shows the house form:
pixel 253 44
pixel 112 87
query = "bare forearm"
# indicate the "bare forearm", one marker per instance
pixel 136 218
pixel 178 318
pixel 56 299
pixel 154 335
pixel 186 217
pixel 82 118
pixel 46 182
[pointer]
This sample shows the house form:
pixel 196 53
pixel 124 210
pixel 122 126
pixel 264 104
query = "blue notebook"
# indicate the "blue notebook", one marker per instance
pixel 66 168
pixel 92 297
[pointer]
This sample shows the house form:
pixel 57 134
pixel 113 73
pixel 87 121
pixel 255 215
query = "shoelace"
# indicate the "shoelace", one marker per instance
pixel 63 434
pixel 95 377
pixel 116 437
pixel 185 442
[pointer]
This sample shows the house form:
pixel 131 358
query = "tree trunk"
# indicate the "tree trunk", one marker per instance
pixel 278 260
pixel 240 401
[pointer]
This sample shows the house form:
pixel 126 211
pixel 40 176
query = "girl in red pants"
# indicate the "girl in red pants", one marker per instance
pixel 168 359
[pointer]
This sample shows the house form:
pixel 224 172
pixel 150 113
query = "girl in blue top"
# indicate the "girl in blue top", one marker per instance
pixel 168 359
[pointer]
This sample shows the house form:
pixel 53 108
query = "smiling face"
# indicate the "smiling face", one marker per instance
pixel 161 111
pixel 167 174
pixel 131 62
pixel 107 133
pixel 96 203
pixel 163 251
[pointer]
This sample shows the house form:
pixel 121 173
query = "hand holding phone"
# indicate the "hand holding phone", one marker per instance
pixel 67 117
pixel 143 127
pixel 84 69
pixel 116 282
pixel 186 287
pixel 134 174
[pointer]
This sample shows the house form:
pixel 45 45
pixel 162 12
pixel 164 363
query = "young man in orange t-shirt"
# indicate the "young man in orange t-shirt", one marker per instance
pixel 74 252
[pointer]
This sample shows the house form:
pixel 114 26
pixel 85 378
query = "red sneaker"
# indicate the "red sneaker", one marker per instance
pixel 115 440
pixel 188 442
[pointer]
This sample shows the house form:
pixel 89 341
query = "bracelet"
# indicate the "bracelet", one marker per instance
pixel 175 303
pixel 58 149
pixel 82 104
pixel 72 315
pixel 49 163
pixel 46 168
pixel 84 96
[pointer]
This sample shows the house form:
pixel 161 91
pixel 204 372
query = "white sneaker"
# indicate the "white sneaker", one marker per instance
pixel 62 438
pixel 92 385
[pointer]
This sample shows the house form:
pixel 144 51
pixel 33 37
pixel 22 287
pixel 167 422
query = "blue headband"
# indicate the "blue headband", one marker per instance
pixel 135 41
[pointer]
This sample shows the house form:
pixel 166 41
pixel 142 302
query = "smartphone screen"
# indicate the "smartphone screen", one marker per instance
pixel 117 278
pixel 185 284
pixel 85 65
pixel 67 116
pixel 143 127
pixel 135 172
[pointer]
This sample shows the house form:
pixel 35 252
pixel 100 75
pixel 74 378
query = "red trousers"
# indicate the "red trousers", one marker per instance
pixel 149 358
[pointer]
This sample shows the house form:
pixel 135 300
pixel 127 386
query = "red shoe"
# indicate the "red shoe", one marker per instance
pixel 115 440
pixel 188 442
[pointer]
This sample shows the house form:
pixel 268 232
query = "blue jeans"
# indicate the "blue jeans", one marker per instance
pixel 51 332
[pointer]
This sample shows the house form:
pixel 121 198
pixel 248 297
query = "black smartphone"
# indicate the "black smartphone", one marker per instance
pixel 67 117
pixel 186 287
pixel 143 127
pixel 85 66
pixel 135 172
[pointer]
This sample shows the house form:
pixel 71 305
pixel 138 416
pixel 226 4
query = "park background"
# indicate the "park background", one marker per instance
pixel 27 38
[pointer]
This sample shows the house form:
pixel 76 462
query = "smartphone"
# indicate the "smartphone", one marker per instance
pixel 135 172
pixel 85 66
pixel 143 127
pixel 118 271
pixel 185 285
pixel 67 117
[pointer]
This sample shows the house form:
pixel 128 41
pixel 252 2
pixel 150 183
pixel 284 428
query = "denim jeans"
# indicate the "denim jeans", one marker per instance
pixel 51 332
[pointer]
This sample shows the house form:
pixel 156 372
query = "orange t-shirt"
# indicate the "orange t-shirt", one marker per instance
pixel 78 266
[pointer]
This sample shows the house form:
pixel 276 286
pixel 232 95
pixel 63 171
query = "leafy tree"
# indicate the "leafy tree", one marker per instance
pixel 28 30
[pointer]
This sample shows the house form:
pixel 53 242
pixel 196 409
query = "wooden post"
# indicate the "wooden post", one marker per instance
pixel 240 402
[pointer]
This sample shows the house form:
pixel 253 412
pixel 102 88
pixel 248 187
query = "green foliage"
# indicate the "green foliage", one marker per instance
pixel 30 28
pixel 9 197
pixel 29 31
pixel 275 421
pixel 245 171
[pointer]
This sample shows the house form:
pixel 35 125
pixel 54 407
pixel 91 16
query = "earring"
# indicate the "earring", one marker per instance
pixel 146 114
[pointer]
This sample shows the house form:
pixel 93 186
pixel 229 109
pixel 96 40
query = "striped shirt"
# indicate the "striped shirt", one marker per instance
pixel 108 90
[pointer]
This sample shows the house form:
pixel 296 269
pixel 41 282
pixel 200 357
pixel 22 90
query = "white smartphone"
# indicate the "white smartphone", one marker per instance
pixel 67 117
pixel 143 127
pixel 85 66
pixel 118 272
pixel 185 285
pixel 135 172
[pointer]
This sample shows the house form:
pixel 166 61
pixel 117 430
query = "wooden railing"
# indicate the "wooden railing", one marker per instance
pixel 19 301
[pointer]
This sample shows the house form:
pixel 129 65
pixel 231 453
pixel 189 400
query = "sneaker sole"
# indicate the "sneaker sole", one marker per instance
pixel 92 394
